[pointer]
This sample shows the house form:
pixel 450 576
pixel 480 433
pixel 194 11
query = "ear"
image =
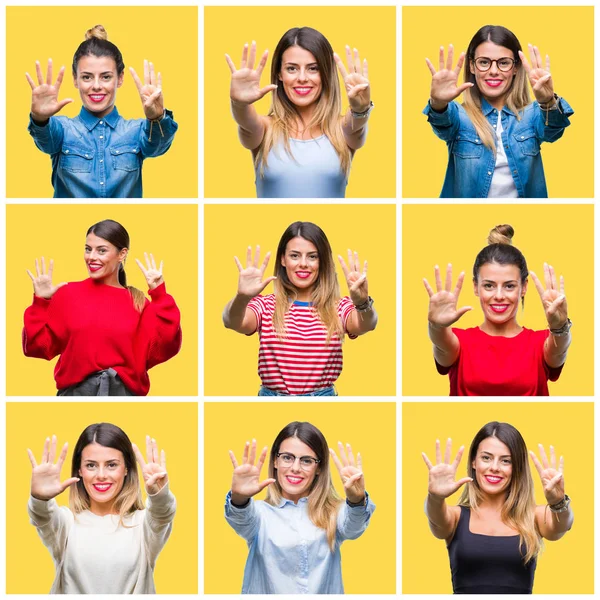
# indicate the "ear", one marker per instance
pixel 279 77
pixel 123 254
pixel 471 67
pixel 283 260
pixel 75 81
pixel 475 287
pixel 120 80
pixel 524 290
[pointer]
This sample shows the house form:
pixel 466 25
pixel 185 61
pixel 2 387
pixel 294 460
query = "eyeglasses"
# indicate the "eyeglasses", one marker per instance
pixel 504 64
pixel 307 463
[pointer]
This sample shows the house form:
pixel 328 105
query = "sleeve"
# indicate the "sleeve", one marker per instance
pixel 344 309
pixel 161 327
pixel 157 136
pixel 352 521
pixel 52 523
pixel 158 522
pixel 552 373
pixel 558 120
pixel 444 124
pixel 445 370
pixel 245 521
pixel 258 307
pixel 48 138
pixel 39 341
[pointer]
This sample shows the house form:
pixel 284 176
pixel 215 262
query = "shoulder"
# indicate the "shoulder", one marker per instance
pixel 536 335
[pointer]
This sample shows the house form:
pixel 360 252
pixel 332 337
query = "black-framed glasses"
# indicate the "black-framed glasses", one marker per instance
pixel 483 63
pixel 307 463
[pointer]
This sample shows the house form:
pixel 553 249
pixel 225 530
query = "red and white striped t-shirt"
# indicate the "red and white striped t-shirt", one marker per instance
pixel 303 361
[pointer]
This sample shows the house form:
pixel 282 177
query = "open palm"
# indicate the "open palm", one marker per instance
pixel 443 310
pixel 245 81
pixel 442 476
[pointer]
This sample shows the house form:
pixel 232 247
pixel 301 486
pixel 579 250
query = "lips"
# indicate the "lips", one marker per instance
pixel 303 91
pixel 494 82
pixel 93 268
pixel 494 480
pixel 303 274
pixel 294 480
pixel 499 308
pixel 102 487
pixel 97 97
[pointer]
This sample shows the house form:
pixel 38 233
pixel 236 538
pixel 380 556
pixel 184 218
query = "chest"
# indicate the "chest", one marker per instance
pixel 482 524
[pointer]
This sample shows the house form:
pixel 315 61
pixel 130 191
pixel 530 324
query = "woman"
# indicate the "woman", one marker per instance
pixel 500 357
pixel 495 533
pixel 294 536
pixel 107 333
pixel 302 325
pixel 304 147
pixel 98 154
pixel 491 157
pixel 106 542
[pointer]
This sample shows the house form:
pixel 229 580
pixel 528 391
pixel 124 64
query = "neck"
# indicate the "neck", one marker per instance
pixel 508 329
pixel 492 503
pixel 304 295
pixel 102 509
pixel 497 103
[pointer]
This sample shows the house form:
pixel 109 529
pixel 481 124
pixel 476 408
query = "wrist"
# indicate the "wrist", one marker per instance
pixel 239 501
pixel 355 501
pixel 437 105
pixel 39 120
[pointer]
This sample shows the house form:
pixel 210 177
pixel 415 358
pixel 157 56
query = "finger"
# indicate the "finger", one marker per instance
pixel 31 458
pixel 351 480
pixel 538 284
pixel 153 97
pixel 462 482
pixel 552 457
pixel 63 103
pixel 459 284
pixel 43 266
pixel 252 57
pixel 541 82
pixel 244 57
pixel 438 278
pixel 263 484
pixel 543 456
pixel 154 451
pixel 365 69
pixel 351 458
pixel 356 262
pixel 554 481
pixel 536 462
pixel 430 66
pixel 147 259
pixel 344 267
pixel 359 462
pixel 538 57
pixel 265 263
pixel 37 268
pixel 524 62
pixel 448 277
pixel 163 459
pixel 340 66
pixel 49 72
pixel 350 260
pixel 51 268
pixel 45 450
pixel 356 61
pixel 68 482
pixel 252 456
pixel 138 456
pixel 450 57
pixel 63 455
pixel 233 459
pixel 30 81
pixel 465 309
pixel 152 76
pixel 343 457
pixel 30 275
pixel 464 86
pixel 532 56
pixel 159 81
pixel 336 461
pixel 268 88
pixel 547 62
pixel 52 454
pixel 263 62
pixel 146 73
pixel 441 59
pixel 141 266
pixel 256 257
pixel 238 263
pixel 427 461
pixel 458 458
pixel 152 261
pixel 428 287
pixel 156 477
pixel 261 459
pixel 459 63
pixel 438 453
pixel 138 83
pixel 245 454
pixel 266 282
pixel 249 257
pixel 561 465
pixel 148 449
pixel 553 277
pixel 38 71
pixel 160 268
pixel 349 59
pixel 448 453
pixel 365 269
pixel 562 285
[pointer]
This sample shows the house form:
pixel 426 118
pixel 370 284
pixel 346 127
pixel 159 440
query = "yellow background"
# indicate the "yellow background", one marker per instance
pixel 566 33
pixel 57 231
pixel 561 235
pixel 369 563
pixel 231 359
pixel 165 35
pixel 565 566
pixel 228 168
pixel 175 428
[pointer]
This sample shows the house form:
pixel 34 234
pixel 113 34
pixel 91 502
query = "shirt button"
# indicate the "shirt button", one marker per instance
pixel 66 152
pixel 489 172
pixel 515 171
pixel 86 155
pixel 506 147
pixel 101 122
pixel 116 152
pixel 101 160
pixel 457 137
pixel 102 183
pixel 522 137
pixel 101 137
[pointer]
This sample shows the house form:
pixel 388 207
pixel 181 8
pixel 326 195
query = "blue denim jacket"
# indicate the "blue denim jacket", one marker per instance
pixel 471 163
pixel 101 157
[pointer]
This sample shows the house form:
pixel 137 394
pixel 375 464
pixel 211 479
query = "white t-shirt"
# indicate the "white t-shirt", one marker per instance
pixel 503 185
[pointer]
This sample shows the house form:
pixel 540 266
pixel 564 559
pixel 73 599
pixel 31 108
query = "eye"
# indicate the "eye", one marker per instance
pixel 505 63
pixel 291 69
pixel 488 286
pixel 90 466
pixel 107 77
pixel 313 68
pixel 510 286
pixel 102 251
pixel 85 77
pixel 314 257
pixel 485 458
pixel 112 465
pixel 507 461
pixel 306 462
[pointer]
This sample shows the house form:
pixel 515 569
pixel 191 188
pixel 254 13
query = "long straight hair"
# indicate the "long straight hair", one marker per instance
pixel 106 434
pixel 518 510
pixel 284 114
pixel 326 291
pixel 518 94
pixel 323 501
pixel 117 235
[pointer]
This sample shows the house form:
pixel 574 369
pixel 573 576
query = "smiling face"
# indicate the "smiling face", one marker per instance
pixel 493 466
pixel 97 81
pixel 300 76
pixel 103 259
pixel 499 290
pixel 295 479
pixel 103 473
pixel 493 84
pixel 301 262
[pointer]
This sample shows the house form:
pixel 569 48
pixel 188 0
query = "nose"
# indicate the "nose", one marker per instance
pixel 494 68
pixel 495 466
pixel 302 76
pixel 499 293
pixel 101 474
pixel 96 85
pixel 296 466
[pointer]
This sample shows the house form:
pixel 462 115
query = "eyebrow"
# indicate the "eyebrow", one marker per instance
pixel 296 64
pixel 491 454
pixel 90 73
pixel 101 246
pixel 492 281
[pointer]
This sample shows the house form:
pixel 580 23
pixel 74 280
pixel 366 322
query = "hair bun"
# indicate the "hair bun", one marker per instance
pixel 98 32
pixel 501 234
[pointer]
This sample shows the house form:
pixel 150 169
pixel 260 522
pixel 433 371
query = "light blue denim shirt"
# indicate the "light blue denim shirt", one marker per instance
pixel 101 157
pixel 471 163
pixel 288 553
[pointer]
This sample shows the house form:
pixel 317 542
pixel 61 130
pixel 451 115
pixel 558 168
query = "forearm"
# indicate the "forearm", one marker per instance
pixel 438 516
pixel 251 127
pixel 557 524
pixel 555 349
pixel 446 346
pixel 355 130
pixel 234 313
pixel 157 135
pixel 365 320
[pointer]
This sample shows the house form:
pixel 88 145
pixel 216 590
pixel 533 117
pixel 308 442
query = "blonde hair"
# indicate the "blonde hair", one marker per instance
pixel 518 510
pixel 327 113
pixel 98 32
pixel 518 94
pixel 323 501
pixel 326 291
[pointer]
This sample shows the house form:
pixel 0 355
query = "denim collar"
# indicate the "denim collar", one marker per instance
pixel 285 501
pixel 90 120
pixel 487 108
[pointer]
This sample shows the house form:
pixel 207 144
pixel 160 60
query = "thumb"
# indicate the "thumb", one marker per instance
pixel 152 98
pixel 352 479
pixel 60 285
pixel 266 282
pixel 461 311
pixel 465 86
pixel 60 105
pixel 264 91
pixel 554 481
pixel 263 484
pixel 67 483
pixel 555 305
pixel 462 482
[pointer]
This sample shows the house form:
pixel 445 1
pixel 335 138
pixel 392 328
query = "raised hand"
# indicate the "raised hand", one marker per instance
pixel 250 283
pixel 42 282
pixel 552 479
pixel 553 297
pixel 150 91
pixel 246 477
pixel 539 77
pixel 154 472
pixel 442 476
pixel 45 477
pixel 444 86
pixel 44 96
pixel 356 80
pixel 245 81
pixel 357 281
pixel 153 275
pixel 351 472
pixel 442 304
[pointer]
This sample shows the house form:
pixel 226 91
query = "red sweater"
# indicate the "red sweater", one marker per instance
pixel 493 365
pixel 94 326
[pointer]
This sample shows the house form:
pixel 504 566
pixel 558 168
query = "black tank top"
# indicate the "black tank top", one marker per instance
pixel 487 564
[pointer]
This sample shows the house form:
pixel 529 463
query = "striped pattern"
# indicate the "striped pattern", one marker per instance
pixel 302 362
